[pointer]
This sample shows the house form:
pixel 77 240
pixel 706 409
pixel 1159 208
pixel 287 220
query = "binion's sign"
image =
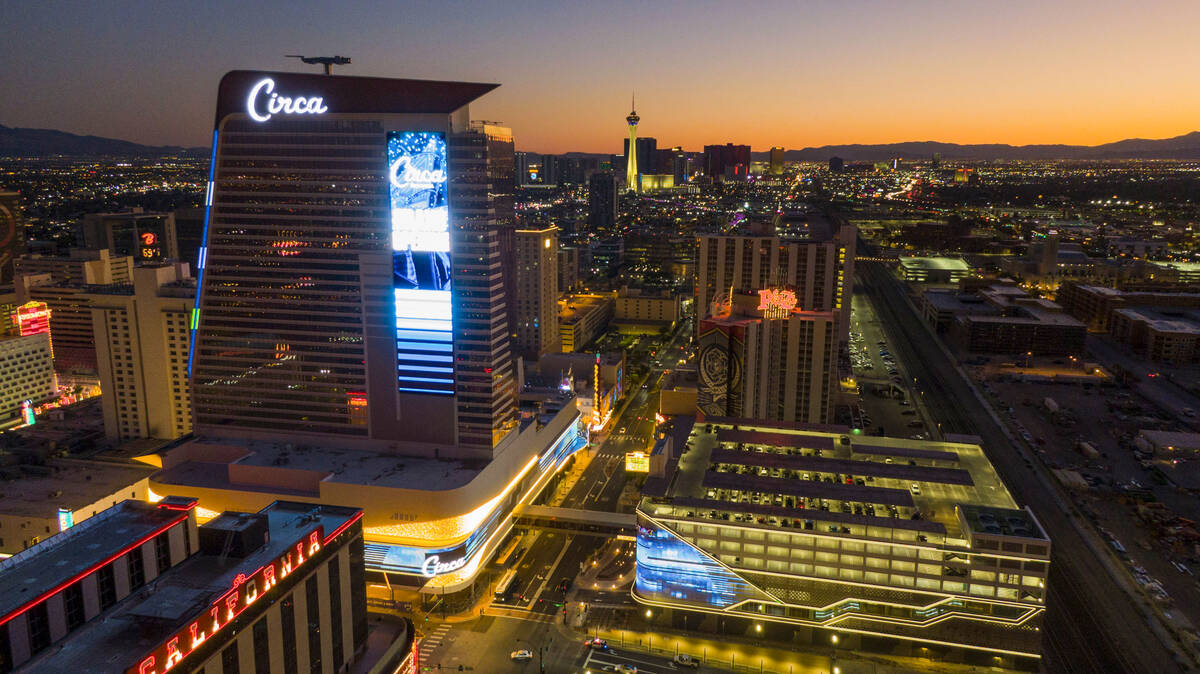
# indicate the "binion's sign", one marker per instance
pixel 263 102
pixel 776 303
pixel 245 592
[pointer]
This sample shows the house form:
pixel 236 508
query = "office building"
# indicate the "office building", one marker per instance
pixel 323 364
pixel 80 266
pixel 602 201
pixel 775 163
pixel 728 160
pixel 581 319
pixel 837 164
pixel 631 158
pixel 141 588
pixel 142 346
pixel 608 254
pixel 145 237
pixel 568 269
pixel 805 253
pixel 352 342
pixel 26 376
pixel 12 234
pixel 536 297
pixel 887 544
pixel 761 357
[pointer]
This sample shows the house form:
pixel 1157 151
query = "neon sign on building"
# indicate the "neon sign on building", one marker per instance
pixel 32 318
pixel 276 104
pixel 776 303
pixel 245 592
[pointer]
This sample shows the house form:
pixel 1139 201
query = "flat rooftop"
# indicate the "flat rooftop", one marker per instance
pixel 39 491
pixel 350 466
pixel 574 307
pixel 1001 521
pixel 142 621
pixel 936 263
pixel 1179 321
pixel 31 573
pixel 777 473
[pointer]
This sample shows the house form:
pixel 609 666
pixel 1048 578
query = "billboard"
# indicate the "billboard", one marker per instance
pixel 420 216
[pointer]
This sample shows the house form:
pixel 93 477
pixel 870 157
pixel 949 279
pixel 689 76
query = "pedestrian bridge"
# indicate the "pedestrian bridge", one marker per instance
pixel 576 521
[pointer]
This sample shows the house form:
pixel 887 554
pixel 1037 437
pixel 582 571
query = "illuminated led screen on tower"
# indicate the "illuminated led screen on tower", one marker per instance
pixel 421 261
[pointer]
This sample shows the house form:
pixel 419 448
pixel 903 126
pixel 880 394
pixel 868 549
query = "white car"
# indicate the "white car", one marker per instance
pixel 521 655
pixel 684 660
pixel 915 488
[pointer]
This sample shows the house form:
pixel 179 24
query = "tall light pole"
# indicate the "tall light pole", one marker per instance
pixel 833 668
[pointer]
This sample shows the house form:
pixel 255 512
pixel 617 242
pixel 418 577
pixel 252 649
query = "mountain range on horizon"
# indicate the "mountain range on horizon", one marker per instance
pixel 25 142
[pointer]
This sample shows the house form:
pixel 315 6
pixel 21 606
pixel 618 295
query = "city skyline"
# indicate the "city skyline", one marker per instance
pixel 795 76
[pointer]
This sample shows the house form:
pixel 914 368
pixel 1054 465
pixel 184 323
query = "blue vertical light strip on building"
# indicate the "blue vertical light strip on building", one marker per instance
pixel 194 322
pixel 420 217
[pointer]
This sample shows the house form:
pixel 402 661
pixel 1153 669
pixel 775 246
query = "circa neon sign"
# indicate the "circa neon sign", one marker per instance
pixel 245 591
pixel 281 105
pixel 433 566
pixel 776 303
pixel 407 176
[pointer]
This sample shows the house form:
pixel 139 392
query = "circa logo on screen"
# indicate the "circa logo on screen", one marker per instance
pixel 433 566
pixel 263 103
pixel 406 174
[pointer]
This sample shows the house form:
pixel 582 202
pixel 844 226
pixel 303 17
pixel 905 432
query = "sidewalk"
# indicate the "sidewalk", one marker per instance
pixel 737 655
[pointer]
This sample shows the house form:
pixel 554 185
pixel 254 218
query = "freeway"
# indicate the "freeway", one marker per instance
pixel 1092 625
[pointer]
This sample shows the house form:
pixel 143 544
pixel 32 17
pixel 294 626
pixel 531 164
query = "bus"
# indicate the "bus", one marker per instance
pixel 508 585
pixel 507 556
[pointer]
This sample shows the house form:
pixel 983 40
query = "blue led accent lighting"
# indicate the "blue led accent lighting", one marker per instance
pixel 203 257
pixel 423 368
pixel 669 568
pixel 407 348
pixel 426 379
pixel 407 389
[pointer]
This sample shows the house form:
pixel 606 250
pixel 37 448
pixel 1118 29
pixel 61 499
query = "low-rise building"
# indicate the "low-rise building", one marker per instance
pixel 1169 444
pixel 1159 334
pixel 41 499
pixel 1031 326
pixel 638 311
pixel 816 534
pixel 934 269
pixel 141 589
pixel 581 318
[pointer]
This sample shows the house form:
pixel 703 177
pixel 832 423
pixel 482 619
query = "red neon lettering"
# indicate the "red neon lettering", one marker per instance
pixel 197 635
pixel 231 603
pixel 285 565
pixel 147 666
pixel 173 656
pixel 216 618
pixel 300 552
pixel 269 577
pixel 251 591
pixel 314 545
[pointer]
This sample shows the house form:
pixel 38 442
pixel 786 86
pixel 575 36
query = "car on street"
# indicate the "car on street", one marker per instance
pixel 521 655
pixel 597 644
pixel 916 489
pixel 685 660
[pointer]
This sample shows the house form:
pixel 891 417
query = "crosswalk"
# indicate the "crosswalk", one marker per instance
pixel 430 643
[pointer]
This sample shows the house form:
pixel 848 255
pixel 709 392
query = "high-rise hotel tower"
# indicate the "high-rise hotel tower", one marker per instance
pixel 350 283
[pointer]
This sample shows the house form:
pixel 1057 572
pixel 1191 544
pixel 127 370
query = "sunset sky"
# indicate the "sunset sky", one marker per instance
pixel 795 73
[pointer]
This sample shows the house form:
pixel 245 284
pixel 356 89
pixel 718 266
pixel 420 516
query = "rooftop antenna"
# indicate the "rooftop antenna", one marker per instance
pixel 328 61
